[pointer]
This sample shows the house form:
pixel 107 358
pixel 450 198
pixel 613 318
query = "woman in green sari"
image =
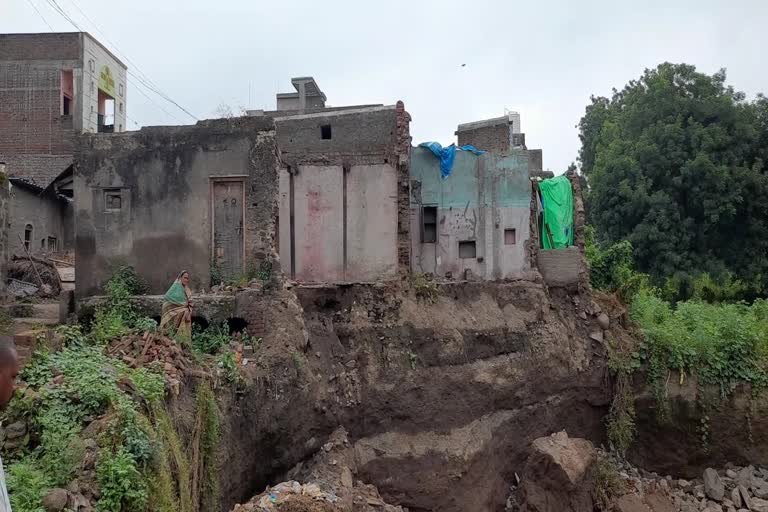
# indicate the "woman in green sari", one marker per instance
pixel 177 307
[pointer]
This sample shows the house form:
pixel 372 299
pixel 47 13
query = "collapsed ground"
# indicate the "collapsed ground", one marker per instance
pixel 440 389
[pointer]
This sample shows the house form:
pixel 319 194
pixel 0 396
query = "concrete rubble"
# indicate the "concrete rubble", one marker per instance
pixel 329 485
pixel 716 491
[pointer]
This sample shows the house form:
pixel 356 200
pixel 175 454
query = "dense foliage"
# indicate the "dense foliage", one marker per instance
pixel 136 454
pixel 676 164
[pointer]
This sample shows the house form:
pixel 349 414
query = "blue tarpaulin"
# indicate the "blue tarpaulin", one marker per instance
pixel 448 154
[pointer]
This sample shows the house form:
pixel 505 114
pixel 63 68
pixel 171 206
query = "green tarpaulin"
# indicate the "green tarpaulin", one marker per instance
pixel 557 196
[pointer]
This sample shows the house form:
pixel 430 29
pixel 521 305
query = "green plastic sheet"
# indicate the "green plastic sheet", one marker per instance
pixel 557 196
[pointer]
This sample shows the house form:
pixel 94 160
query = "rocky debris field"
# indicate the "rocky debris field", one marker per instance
pixel 727 490
pixel 565 474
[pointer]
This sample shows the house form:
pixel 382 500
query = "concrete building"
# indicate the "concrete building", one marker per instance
pixel 52 87
pixel 344 204
pixel 307 96
pixel 201 198
pixel 500 135
pixel 474 223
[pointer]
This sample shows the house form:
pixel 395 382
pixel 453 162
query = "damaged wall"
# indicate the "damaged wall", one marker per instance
pixel 482 215
pixel 341 194
pixel 150 199
pixel 47 215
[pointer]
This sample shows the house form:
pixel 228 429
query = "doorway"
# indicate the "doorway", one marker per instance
pixel 227 233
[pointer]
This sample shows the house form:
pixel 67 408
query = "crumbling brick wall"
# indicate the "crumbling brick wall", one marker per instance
pixel 494 138
pixel 164 222
pixel 403 150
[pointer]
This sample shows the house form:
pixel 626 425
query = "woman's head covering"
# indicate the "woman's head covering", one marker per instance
pixel 176 293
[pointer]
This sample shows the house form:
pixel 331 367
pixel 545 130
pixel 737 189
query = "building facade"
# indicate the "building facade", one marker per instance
pixel 200 198
pixel 53 86
pixel 476 222
pixel 343 214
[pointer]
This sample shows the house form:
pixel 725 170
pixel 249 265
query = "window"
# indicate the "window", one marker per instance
pixel 510 237
pixel 113 200
pixel 93 88
pixel 325 132
pixel 42 244
pixel 121 107
pixel 53 245
pixel 27 235
pixel 429 224
pixel 467 250
pixel 120 90
pixel 91 65
pixel 67 92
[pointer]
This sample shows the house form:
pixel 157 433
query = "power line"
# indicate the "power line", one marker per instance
pixel 144 82
pixel 138 74
pixel 40 14
pixel 106 38
pixel 155 104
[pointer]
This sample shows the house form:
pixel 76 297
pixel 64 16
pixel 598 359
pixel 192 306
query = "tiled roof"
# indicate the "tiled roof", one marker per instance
pixel 39 170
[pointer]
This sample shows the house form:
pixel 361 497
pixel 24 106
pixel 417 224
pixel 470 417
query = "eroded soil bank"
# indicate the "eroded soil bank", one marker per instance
pixel 441 396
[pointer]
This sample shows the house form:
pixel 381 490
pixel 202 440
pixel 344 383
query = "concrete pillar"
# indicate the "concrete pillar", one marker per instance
pixel 302 95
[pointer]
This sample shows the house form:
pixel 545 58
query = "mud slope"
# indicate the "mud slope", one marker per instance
pixel 441 399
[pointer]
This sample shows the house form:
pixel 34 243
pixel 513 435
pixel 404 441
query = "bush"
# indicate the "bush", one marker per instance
pixel 704 287
pixel 128 279
pixel 120 481
pixel 210 340
pixel 607 484
pixel 612 267
pixel 27 485
pixel 425 287
pixel 724 344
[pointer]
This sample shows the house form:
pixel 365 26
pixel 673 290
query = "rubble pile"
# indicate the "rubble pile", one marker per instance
pixel 330 485
pixel 153 348
pixel 281 496
pixel 733 489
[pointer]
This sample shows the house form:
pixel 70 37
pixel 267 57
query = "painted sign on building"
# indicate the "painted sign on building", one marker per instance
pixel 106 81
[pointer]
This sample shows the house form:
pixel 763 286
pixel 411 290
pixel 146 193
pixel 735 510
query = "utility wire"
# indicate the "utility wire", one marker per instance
pixel 40 14
pixel 155 104
pixel 143 81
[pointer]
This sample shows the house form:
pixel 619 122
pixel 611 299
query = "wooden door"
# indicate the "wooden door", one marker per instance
pixel 228 234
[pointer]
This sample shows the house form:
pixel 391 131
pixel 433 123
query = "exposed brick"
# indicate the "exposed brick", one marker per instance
pixel 43 46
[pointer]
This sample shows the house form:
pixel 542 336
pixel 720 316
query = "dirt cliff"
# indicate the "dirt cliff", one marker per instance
pixel 441 391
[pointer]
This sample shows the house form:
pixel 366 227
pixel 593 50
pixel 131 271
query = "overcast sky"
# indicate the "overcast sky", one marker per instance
pixel 541 58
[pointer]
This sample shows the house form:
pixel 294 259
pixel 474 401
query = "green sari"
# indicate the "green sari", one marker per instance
pixel 177 310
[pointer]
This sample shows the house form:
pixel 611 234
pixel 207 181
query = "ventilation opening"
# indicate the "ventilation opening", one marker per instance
pixel 236 325
pixel 467 250
pixel 325 132
pixel 510 237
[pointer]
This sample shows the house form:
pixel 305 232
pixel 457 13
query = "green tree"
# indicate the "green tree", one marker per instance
pixel 675 165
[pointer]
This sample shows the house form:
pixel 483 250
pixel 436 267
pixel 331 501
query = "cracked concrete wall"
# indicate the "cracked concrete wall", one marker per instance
pixel 483 197
pixel 164 175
